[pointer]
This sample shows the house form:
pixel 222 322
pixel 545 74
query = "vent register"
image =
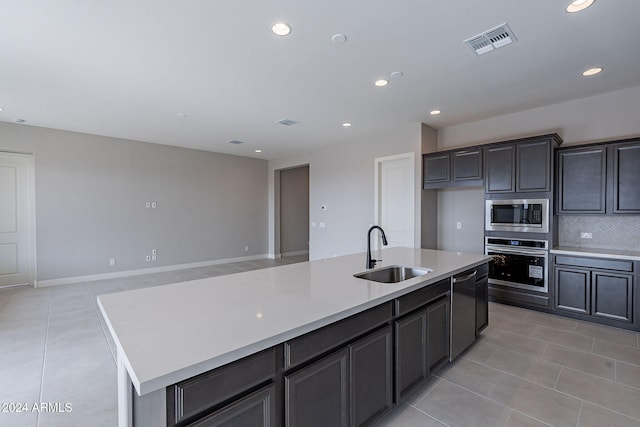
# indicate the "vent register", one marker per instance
pixel 491 39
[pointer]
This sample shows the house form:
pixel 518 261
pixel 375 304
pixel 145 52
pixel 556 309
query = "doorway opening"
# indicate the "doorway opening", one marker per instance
pixel 292 212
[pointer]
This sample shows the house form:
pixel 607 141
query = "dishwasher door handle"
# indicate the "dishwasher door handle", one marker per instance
pixel 465 278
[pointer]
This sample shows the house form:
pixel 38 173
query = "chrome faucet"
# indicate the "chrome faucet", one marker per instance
pixel 372 262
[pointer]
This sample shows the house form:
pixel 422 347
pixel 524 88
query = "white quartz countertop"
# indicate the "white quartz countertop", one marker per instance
pixel 169 333
pixel 597 253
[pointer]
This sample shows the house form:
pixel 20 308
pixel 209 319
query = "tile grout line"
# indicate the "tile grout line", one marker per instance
pixel 579 412
pixel 44 357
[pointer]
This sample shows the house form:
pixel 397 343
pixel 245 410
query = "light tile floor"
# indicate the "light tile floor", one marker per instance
pixel 527 369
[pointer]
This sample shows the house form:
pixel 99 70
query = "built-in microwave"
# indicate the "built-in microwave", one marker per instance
pixel 525 215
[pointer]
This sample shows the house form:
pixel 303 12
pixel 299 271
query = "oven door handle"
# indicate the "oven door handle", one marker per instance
pixel 517 251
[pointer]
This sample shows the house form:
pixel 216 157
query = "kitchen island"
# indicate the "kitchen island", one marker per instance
pixel 168 335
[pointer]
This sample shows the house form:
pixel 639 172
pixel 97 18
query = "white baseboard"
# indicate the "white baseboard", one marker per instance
pixel 163 269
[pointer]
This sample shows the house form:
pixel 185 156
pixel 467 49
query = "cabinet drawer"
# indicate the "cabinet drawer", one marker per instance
pixel 407 303
pixel 308 346
pixel 604 264
pixel 190 397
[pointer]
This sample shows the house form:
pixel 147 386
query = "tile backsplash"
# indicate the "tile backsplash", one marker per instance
pixel 608 231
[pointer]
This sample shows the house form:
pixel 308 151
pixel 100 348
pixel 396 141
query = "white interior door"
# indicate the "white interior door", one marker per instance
pixel 395 196
pixel 15 222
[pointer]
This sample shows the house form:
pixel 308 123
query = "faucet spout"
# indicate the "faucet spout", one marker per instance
pixel 370 261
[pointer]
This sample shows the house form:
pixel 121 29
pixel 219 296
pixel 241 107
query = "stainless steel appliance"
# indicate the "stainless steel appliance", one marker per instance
pixel 463 312
pixel 518 263
pixel 524 215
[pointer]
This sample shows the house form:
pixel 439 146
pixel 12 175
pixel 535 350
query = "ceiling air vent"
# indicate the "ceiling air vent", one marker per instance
pixel 235 141
pixel 287 122
pixel 491 39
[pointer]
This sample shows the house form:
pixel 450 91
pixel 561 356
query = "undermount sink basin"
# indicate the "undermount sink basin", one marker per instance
pixel 392 274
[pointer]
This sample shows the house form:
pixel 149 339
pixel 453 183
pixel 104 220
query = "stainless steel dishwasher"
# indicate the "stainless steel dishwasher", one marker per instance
pixel 463 311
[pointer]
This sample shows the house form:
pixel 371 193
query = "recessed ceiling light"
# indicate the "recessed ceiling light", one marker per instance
pixel 281 29
pixel 258 151
pixel 578 5
pixel 1 109
pixel 592 71
pixel 435 112
pixel 346 125
pixel 381 82
pixel 396 74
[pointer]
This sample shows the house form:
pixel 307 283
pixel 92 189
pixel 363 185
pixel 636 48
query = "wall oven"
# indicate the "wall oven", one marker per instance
pixel 524 215
pixel 518 263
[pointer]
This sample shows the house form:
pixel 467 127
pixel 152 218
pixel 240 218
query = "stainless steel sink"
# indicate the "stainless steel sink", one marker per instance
pixel 392 274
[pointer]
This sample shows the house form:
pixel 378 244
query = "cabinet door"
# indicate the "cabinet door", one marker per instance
pixel 256 410
pixel 467 165
pixel 438 315
pixel 482 304
pixel 500 165
pixel 411 352
pixel 533 170
pixel 582 180
pixel 572 290
pixel 626 178
pixel 612 296
pixel 371 383
pixel 436 169
pixel 318 395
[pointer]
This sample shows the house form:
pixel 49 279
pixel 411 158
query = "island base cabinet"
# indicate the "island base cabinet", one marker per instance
pixel 371 377
pixel 350 387
pixel 411 352
pixel 318 395
pixel 421 345
pixel 256 410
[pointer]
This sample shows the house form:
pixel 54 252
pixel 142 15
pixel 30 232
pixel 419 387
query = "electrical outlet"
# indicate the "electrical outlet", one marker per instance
pixel 148 258
pixel 154 252
pixel 154 205
pixel 459 225
pixel 153 257
pixel 584 235
pixel 147 205
pixel 112 261
pixel 246 248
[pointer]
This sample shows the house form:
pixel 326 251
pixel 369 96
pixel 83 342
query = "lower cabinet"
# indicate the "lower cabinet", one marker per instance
pixel 349 387
pixel 421 344
pixel 257 409
pixel 595 289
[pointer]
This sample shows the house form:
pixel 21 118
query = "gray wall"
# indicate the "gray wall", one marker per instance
pixel 91 193
pixel 294 210
pixel 466 206
pixel 342 177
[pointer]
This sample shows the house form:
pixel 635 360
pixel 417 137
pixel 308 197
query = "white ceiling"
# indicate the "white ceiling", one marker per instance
pixel 127 68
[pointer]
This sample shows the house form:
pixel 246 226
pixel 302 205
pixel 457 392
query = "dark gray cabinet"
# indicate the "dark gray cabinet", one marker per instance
pixel 626 177
pixel 422 336
pixel 599 179
pixel 500 166
pixel 595 289
pixel 258 410
pixel 349 387
pixel 520 167
pixel 318 395
pixel 371 385
pixel 460 168
pixel 582 180
pixel 533 166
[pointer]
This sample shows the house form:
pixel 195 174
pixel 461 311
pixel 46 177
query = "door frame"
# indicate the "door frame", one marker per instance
pixel 31 209
pixel 376 200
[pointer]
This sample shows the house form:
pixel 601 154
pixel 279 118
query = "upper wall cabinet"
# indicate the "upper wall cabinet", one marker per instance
pixel 582 180
pixel 599 179
pixel 520 166
pixel 626 176
pixel 460 168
